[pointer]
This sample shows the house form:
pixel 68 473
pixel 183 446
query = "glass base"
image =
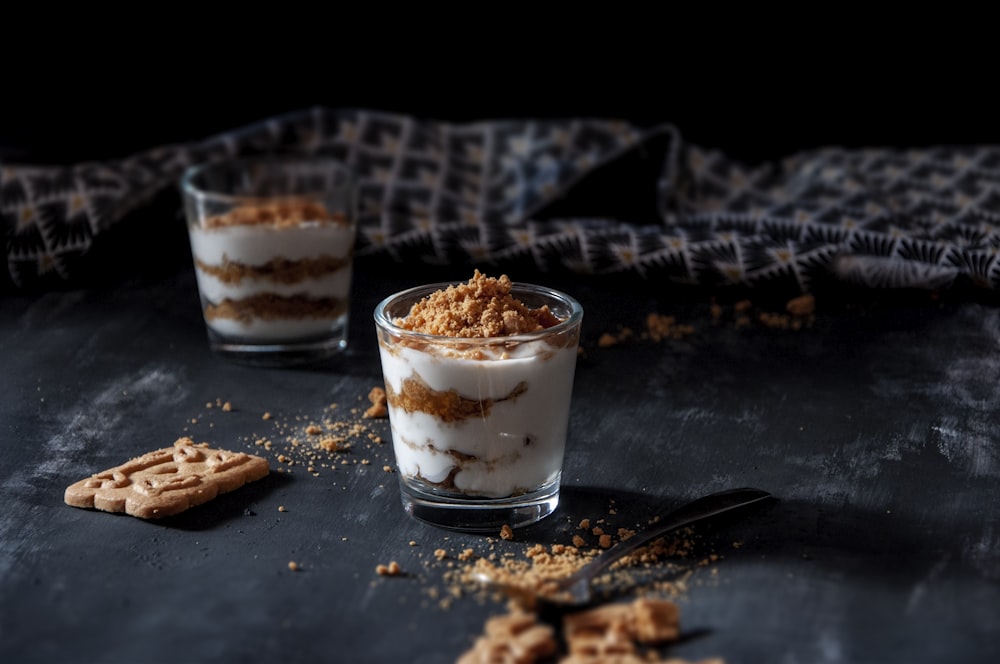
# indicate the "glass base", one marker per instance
pixel 479 514
pixel 278 355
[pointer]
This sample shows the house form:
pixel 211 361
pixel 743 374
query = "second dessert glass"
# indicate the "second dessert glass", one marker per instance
pixel 272 239
pixel 479 425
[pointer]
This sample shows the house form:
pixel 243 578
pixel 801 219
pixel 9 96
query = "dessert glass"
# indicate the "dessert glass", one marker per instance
pixel 479 425
pixel 272 238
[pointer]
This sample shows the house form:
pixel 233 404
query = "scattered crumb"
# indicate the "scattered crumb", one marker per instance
pixel 506 532
pixel 293 566
pixel 281 508
pixel 379 407
pixel 659 327
pixel 392 569
pixel 798 313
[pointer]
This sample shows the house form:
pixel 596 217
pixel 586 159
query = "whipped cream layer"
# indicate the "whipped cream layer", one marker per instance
pixel 511 433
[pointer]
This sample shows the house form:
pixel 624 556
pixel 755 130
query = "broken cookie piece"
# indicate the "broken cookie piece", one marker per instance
pixel 167 481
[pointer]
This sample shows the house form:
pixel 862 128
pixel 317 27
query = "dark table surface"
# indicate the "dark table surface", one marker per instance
pixel 875 425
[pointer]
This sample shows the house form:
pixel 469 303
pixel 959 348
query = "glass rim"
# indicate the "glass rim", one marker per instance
pixel 191 188
pixel 417 293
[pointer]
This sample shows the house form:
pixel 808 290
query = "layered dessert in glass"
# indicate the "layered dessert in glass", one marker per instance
pixel 272 240
pixel 479 379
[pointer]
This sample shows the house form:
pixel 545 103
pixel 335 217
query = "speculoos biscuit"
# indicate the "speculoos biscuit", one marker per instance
pixel 167 481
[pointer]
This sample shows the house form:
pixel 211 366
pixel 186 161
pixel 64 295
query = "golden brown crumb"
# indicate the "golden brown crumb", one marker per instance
pixel 281 508
pixel 227 406
pixel 379 407
pixel 661 327
pixel 483 307
pixel 607 340
pixel 293 566
pixel 392 569
pixel 266 416
pixel 804 305
pixel 506 532
pixel 578 541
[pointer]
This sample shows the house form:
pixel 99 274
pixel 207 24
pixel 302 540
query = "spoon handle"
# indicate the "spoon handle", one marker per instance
pixel 703 508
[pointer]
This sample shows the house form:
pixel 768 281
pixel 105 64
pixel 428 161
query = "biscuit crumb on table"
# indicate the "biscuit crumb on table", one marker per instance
pixel 392 569
pixel 379 404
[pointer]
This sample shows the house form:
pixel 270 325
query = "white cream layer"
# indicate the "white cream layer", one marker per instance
pixel 519 446
pixel 258 244
pixel 275 331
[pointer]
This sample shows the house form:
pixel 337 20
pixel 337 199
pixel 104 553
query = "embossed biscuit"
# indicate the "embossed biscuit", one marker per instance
pixel 167 481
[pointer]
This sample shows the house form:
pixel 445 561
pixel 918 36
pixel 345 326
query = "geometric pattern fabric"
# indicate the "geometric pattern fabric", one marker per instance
pixel 484 193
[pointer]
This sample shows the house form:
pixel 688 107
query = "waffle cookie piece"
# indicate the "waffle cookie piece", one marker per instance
pixel 167 481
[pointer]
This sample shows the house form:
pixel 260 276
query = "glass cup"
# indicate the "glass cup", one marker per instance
pixel 272 239
pixel 479 424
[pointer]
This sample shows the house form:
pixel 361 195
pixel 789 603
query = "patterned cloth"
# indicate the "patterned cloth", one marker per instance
pixel 483 194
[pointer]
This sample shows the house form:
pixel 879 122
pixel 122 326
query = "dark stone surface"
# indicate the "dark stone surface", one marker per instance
pixel 875 427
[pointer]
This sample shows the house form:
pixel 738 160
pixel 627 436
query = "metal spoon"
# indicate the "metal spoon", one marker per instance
pixel 576 589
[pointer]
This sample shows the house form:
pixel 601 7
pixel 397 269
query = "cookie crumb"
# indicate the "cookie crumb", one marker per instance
pixel 392 569
pixel 281 508
pixel 293 566
pixel 380 404
pixel 481 308
pixel 506 532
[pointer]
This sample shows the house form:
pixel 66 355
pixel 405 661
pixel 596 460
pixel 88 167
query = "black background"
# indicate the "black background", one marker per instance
pixel 758 87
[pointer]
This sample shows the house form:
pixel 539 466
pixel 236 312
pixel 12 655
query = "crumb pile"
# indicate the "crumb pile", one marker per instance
pixel 483 307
